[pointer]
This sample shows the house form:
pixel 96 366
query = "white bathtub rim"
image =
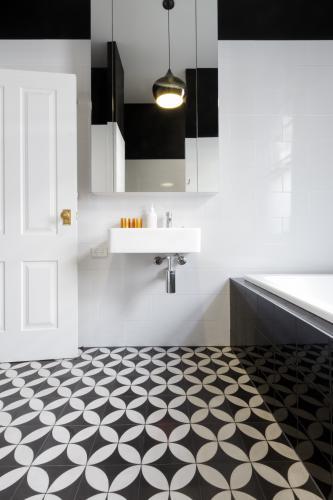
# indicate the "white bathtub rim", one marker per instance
pixel 260 281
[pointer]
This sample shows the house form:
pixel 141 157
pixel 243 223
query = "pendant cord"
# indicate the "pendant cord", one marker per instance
pixel 169 40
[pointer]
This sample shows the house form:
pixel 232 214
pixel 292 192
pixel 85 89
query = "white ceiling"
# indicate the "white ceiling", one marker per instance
pixel 140 30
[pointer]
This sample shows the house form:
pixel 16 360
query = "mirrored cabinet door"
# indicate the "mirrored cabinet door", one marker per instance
pixel 154 96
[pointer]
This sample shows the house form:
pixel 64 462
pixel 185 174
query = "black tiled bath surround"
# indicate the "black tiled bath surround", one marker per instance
pixel 288 356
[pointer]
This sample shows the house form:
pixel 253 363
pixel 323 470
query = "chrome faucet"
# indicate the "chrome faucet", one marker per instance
pixel 168 219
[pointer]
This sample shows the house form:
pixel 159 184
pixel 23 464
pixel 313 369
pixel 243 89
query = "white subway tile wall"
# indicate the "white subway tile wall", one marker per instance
pixel 274 212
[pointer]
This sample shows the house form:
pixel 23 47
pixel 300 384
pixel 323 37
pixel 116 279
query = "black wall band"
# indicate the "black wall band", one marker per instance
pixel 237 19
pixel 275 19
pixel 45 19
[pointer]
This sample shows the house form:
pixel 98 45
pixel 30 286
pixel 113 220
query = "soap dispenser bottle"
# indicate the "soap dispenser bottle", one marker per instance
pixel 151 218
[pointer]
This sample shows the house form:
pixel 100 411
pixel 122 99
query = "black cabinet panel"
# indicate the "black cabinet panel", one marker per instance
pixel 45 19
pixel 208 112
pixel 275 19
pixel 202 118
pixel 154 133
pixel 191 104
pixel 99 92
pixel 115 91
pixel 107 90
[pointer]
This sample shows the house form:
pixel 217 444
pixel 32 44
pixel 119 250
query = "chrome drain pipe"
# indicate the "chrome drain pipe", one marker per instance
pixel 170 272
pixel 170 277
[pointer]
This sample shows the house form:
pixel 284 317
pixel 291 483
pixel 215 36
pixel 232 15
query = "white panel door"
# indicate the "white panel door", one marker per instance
pixel 38 180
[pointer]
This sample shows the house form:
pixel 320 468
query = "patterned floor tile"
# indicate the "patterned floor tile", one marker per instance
pixel 10 480
pixel 118 445
pixel 19 445
pixel 165 481
pixel 111 483
pixel 163 446
pixel 67 446
pixel 230 480
pixel 265 441
pixel 180 423
pixel 49 482
pixel 286 480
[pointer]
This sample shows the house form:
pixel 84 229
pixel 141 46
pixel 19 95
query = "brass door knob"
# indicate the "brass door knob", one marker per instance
pixel 66 216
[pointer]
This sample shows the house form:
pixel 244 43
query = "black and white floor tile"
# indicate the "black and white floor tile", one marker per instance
pixel 295 382
pixel 143 423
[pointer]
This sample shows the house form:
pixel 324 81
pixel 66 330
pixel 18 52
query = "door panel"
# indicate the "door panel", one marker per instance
pixel 38 254
pixel 40 295
pixel 39 163
pixel 2 187
pixel 2 296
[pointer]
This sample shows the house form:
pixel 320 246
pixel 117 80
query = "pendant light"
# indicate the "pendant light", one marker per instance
pixel 169 91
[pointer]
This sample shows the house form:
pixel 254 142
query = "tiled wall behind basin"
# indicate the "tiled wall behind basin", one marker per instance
pixel 273 212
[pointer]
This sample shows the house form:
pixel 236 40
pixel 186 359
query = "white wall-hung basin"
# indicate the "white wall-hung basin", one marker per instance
pixel 155 241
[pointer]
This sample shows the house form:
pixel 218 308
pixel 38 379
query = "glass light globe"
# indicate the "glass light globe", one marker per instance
pixel 169 91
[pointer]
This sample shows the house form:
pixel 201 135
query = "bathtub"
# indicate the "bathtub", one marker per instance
pixel 312 292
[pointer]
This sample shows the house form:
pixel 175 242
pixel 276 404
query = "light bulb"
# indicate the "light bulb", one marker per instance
pixel 169 101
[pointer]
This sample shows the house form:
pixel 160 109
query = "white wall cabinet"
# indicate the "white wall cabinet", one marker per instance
pixel 202 165
pixel 107 159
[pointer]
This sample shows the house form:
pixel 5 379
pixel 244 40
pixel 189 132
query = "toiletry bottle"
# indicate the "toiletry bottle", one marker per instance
pixel 151 218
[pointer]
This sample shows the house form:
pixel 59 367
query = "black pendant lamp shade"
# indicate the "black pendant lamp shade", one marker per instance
pixel 169 91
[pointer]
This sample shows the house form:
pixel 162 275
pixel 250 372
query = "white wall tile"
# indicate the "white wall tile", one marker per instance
pixel 189 333
pixel 305 128
pixel 273 212
pixel 312 90
pixel 63 56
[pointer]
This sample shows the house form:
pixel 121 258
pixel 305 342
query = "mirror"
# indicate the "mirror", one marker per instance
pixel 137 145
